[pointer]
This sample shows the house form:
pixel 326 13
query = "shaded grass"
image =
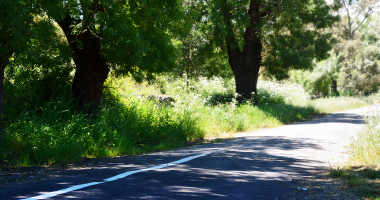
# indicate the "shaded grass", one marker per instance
pixel 286 113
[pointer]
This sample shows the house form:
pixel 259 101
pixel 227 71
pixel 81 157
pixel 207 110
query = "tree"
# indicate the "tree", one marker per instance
pixel 358 12
pixel 361 68
pixel 122 36
pixel 290 27
pixel 197 58
pixel 15 24
pixel 318 82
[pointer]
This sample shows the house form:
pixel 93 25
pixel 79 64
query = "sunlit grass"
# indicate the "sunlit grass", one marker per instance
pixel 366 147
pixel 335 104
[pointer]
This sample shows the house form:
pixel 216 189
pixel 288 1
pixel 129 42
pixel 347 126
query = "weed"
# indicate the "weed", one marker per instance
pixel 337 173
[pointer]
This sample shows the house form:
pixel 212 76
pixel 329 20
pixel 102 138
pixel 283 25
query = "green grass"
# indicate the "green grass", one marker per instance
pixel 335 104
pixel 44 133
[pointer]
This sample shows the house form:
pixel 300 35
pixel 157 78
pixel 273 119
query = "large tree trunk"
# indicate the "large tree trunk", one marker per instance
pixel 246 64
pixel 3 64
pixel 91 68
pixel 90 74
pixel 246 83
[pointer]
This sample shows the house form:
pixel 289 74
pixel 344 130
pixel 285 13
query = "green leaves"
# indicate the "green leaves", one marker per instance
pixel 361 69
pixel 131 33
pixel 295 38
pixel 14 27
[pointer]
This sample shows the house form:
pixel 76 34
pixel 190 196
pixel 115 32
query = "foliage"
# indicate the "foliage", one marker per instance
pixel 15 26
pixel 15 21
pixel 56 132
pixel 32 85
pixel 41 72
pixel 128 31
pixel 290 44
pixel 197 58
pixel 371 30
pixel 360 71
pixel 318 81
pixel 357 48
pixel 335 104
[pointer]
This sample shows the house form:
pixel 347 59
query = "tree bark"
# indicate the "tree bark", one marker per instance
pixel 246 64
pixel 91 68
pixel 3 64
pixel 91 72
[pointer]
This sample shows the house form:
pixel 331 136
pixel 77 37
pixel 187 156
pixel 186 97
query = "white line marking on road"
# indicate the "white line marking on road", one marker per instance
pixel 114 178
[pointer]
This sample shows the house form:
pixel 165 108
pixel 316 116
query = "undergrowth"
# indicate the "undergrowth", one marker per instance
pixel 46 132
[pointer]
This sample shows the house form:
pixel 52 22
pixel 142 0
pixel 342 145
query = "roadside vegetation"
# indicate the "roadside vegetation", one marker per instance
pixel 362 174
pixel 129 123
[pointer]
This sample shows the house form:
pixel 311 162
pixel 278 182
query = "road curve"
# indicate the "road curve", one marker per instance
pixel 264 164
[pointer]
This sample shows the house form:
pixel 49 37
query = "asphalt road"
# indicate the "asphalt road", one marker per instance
pixel 265 164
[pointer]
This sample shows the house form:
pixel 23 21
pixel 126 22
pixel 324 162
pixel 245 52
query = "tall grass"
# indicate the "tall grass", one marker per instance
pixel 362 174
pixel 335 104
pixel 128 123
pixel 366 147
pixel 56 132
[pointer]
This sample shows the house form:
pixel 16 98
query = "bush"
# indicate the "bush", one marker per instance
pixel 319 81
pixel 278 93
pixel 361 69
